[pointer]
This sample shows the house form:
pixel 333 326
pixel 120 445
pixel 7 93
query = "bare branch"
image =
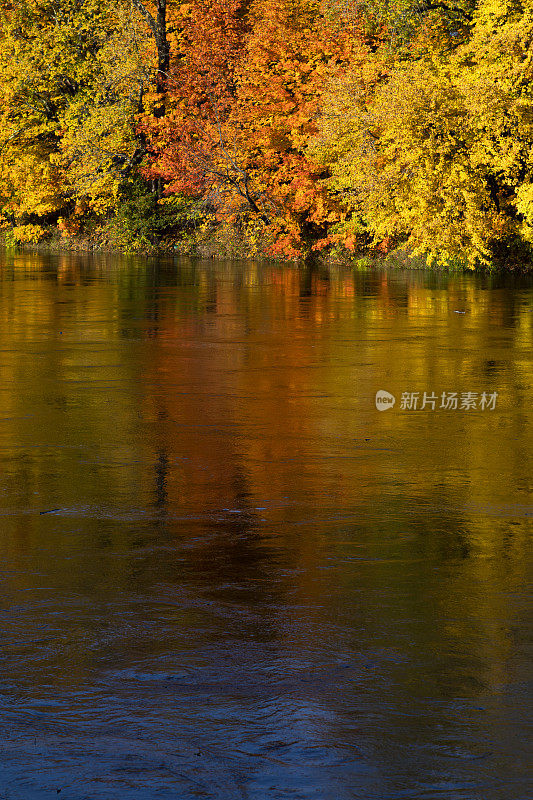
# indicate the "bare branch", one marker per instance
pixel 147 16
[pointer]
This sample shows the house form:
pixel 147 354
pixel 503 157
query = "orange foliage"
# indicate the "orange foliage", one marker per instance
pixel 244 91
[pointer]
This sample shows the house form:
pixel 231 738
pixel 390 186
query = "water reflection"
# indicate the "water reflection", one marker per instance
pixel 224 573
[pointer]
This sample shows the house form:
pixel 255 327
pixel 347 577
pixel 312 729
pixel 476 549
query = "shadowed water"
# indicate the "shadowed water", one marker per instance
pixel 224 574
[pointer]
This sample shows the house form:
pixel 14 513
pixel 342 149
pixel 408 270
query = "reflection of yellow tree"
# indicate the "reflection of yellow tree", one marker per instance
pixel 63 369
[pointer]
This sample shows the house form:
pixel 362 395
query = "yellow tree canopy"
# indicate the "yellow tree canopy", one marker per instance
pixel 439 154
pixel 72 74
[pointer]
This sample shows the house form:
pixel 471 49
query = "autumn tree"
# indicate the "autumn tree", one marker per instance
pixel 100 147
pixel 494 72
pixel 293 51
pixel 244 89
pixel 72 78
pixel 438 156
pixel 193 144
pixel 320 122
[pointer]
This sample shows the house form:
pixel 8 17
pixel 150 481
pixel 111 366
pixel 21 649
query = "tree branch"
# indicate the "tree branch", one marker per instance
pixel 432 5
pixel 147 16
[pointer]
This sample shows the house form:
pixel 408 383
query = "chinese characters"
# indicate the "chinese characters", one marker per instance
pixel 448 401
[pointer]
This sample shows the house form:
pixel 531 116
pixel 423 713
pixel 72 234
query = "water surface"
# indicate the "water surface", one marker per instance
pixel 224 574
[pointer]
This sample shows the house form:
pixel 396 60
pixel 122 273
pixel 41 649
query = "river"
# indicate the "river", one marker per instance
pixel 224 572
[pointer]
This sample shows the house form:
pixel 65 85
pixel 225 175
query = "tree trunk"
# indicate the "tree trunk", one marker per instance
pixel 158 27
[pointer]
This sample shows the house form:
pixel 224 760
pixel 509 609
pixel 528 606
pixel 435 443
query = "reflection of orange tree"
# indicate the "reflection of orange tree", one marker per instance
pixel 189 401
pixel 235 398
pixel 231 404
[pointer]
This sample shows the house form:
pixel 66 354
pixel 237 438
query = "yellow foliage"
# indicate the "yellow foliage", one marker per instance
pixel 439 155
pixel 72 75
pixel 373 125
pixel 27 233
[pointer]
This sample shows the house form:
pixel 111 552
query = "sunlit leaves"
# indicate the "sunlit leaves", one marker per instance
pixel 244 91
pixel 317 124
pixel 71 75
pixel 439 154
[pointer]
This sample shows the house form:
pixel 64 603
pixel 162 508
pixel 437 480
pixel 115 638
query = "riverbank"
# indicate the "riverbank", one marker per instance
pixel 203 240
pixel 214 241
pixel 222 242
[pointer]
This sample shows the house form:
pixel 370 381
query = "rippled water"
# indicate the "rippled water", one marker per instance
pixel 224 573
